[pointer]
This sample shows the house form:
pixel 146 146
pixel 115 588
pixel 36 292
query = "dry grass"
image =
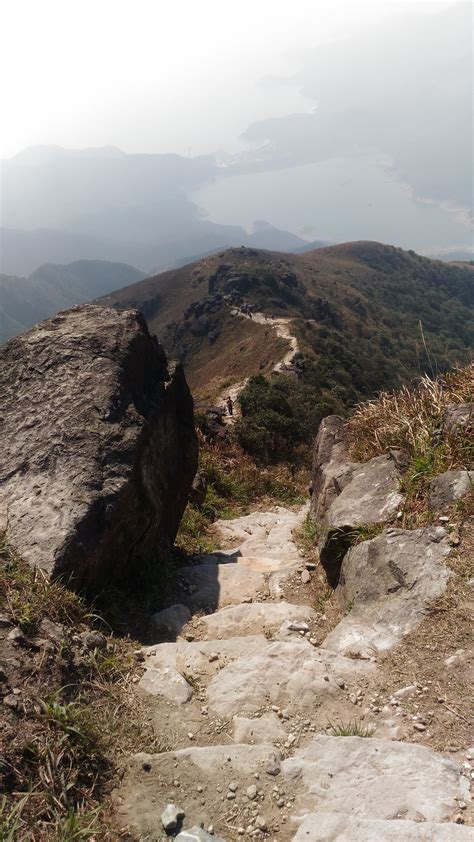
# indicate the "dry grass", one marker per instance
pixel 73 712
pixel 412 419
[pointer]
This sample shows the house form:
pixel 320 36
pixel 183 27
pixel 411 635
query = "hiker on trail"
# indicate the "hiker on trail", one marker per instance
pixel 230 405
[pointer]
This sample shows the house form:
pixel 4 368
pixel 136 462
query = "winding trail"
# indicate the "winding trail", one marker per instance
pixel 241 702
pixel 282 328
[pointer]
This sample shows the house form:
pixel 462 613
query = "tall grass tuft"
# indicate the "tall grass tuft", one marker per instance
pixel 412 419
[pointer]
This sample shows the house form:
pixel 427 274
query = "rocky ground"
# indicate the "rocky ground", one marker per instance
pixel 268 728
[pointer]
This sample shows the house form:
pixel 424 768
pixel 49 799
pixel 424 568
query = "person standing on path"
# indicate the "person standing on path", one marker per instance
pixel 230 405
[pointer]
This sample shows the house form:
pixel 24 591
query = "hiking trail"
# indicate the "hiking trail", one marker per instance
pixel 243 700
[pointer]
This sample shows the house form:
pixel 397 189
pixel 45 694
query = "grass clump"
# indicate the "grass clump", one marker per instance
pixel 353 728
pixel 412 419
pixel 306 538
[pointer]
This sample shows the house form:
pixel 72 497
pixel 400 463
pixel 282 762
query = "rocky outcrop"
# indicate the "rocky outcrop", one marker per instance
pixel 458 416
pixel 98 444
pixel 347 495
pixel 448 487
pixel 332 468
pixel 388 583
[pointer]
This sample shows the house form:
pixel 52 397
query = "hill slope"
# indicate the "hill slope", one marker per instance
pixel 53 287
pixel 356 307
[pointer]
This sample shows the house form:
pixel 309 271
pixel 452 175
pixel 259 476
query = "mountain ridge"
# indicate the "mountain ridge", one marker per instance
pixel 365 316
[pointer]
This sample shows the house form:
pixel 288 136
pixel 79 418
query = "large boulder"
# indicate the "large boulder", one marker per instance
pixel 99 448
pixel 388 583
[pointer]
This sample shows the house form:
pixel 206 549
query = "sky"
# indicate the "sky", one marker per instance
pixel 155 76
pixel 341 116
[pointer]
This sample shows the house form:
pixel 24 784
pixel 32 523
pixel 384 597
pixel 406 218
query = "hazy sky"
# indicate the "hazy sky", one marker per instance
pixel 336 119
pixel 158 76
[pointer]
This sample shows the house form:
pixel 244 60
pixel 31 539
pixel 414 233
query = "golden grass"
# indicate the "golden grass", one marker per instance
pixel 412 419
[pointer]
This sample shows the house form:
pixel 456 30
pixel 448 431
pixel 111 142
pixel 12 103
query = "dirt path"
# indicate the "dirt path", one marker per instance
pixel 243 702
pixel 282 328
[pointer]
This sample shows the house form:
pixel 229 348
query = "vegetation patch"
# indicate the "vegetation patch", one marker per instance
pixel 413 420
pixel 353 728
pixel 280 418
pixel 235 485
pixel 69 710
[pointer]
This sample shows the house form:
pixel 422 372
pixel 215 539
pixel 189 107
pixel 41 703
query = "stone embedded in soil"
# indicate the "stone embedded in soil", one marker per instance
pixel 389 581
pixel 170 816
pixel 170 620
pixel 264 729
pixel 197 834
pixel 448 487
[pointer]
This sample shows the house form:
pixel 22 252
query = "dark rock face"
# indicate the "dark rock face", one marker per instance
pixel 99 449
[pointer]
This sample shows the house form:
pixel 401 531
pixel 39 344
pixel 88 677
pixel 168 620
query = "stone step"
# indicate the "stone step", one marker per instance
pixel 332 788
pixel 213 585
pixel 285 674
pixel 254 618
pixel 329 827
pixel 375 779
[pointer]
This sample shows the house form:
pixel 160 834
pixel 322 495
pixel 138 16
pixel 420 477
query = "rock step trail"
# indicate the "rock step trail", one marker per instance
pixel 241 701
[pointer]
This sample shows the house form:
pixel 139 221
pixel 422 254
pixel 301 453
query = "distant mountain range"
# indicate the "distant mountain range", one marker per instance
pixel 52 287
pixel 63 205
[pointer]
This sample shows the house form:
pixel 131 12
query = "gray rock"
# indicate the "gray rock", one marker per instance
pixel 281 674
pixel 198 492
pixel 171 620
pixel 98 444
pixel 372 496
pixel 197 834
pixel 458 416
pixel 250 618
pixel 332 468
pixel 93 640
pixel 370 778
pixel 449 487
pixel 273 765
pixel 305 577
pixel 321 827
pixel 171 815
pixel 388 581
